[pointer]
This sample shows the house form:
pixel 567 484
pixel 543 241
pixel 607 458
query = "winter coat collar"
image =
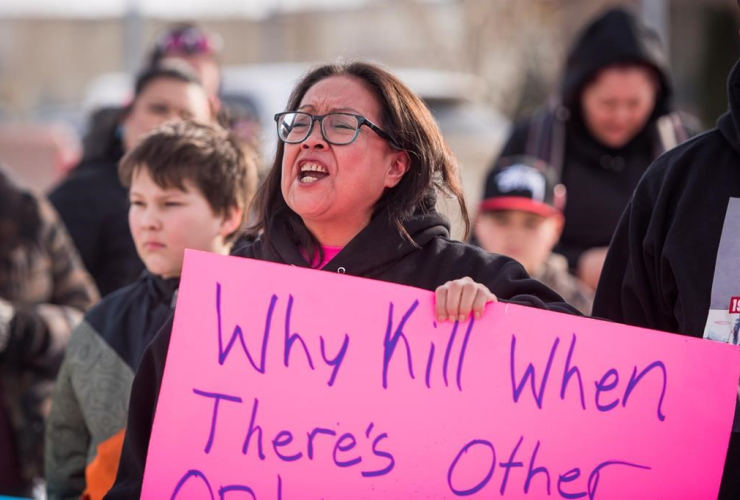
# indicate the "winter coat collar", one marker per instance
pixel 377 247
pixel 160 289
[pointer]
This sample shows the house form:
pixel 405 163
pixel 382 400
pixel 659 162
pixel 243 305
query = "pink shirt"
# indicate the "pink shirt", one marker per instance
pixel 329 253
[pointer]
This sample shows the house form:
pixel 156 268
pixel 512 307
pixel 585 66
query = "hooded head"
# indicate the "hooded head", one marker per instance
pixel 616 79
pixel 616 38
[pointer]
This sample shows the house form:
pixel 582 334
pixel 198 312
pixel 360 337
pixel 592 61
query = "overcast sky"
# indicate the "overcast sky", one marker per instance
pixel 162 8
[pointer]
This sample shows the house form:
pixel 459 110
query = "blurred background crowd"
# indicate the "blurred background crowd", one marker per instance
pixel 477 63
pixel 506 81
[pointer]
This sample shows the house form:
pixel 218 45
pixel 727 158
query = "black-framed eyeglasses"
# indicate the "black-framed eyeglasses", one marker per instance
pixel 339 129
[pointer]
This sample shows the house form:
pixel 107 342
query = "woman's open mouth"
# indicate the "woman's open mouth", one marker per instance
pixel 311 172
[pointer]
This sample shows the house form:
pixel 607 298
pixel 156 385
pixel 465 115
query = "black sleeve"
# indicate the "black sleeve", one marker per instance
pixel 631 287
pixel 74 207
pixel 143 403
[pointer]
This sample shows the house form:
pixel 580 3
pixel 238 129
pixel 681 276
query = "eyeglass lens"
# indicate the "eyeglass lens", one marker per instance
pixel 337 128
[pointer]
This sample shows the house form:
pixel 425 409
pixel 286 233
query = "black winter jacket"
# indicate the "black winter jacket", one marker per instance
pixel 660 270
pixel 94 206
pixel 599 179
pixel 377 252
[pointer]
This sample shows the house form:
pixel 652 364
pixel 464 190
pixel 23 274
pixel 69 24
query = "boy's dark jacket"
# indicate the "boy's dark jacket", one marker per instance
pixel 599 179
pixel 660 267
pixel 377 252
pixel 90 399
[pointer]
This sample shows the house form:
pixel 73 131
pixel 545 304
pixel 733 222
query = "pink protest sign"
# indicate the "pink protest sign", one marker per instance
pixel 286 383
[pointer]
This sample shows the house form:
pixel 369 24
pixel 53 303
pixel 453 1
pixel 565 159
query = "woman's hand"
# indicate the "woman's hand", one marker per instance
pixel 456 299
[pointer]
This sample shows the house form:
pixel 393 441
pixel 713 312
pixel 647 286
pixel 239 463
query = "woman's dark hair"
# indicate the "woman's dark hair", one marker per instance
pixel 409 122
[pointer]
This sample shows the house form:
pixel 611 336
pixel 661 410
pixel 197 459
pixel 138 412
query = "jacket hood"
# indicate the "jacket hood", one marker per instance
pixel 617 36
pixel 729 123
pixel 377 247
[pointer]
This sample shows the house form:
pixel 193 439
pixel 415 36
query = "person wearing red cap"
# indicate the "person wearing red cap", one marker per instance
pixel 521 216
pixel 673 262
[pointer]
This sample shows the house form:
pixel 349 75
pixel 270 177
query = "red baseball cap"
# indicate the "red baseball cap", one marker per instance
pixel 525 184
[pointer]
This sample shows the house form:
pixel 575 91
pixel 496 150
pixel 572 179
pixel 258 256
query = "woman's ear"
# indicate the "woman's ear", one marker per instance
pixel 400 164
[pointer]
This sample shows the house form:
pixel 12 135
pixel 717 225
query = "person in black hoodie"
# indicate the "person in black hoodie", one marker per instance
pixel 91 200
pixel 672 264
pixel 352 190
pixel 612 117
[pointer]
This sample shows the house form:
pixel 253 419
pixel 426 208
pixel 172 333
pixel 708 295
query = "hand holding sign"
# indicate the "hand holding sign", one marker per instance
pixel 286 383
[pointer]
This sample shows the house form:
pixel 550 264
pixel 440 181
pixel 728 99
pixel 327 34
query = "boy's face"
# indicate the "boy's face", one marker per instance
pixel 164 222
pixel 526 237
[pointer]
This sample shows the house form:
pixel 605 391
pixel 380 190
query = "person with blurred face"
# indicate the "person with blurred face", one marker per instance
pixel 91 200
pixel 188 185
pixel 196 47
pixel 44 291
pixel 163 100
pixel 617 104
pixel 201 49
pixel 613 116
pixel 521 217
pixel 673 262
pixel 353 190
